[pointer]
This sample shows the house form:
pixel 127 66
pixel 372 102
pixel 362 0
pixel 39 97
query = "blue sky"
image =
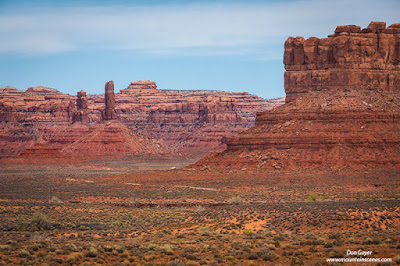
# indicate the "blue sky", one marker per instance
pixel 224 45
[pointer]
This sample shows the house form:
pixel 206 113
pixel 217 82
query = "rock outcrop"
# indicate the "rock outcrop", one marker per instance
pixel 343 107
pixel 349 59
pixel 187 122
pixel 109 101
pixel 81 112
pixel 191 122
pixel 141 85
pixel 14 138
pixel 35 105
pixel 112 138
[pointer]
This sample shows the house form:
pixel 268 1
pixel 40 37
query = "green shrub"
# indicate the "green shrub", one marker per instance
pixel 56 200
pixel 39 222
pixel 248 232
pixel 108 248
pixel 24 253
pixel 93 252
pixel 167 249
pixel 236 200
pixel 312 197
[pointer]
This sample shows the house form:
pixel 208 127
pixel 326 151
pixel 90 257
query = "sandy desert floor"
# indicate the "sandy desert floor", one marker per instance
pixel 155 212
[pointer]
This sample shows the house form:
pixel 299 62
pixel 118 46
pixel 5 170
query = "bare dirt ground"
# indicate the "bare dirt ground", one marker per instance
pixel 155 212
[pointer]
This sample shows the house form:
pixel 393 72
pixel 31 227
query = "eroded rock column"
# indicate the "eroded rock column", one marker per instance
pixel 81 113
pixel 109 100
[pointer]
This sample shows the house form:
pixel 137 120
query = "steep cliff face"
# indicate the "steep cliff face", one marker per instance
pixel 184 121
pixel 338 121
pixel 349 59
pixel 36 104
pixel 188 121
pixel 23 112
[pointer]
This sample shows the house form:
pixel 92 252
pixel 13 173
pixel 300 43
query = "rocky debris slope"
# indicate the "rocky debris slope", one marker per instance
pixel 339 126
pixel 186 122
pixel 112 138
pixel 39 151
pixel 14 138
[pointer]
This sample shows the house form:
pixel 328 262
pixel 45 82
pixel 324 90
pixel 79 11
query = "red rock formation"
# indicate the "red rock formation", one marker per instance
pixel 40 151
pixel 81 114
pixel 141 85
pixel 335 116
pixel 109 100
pixel 36 104
pixel 41 90
pixel 190 122
pixel 14 138
pixel 112 137
pixel 349 59
pixel 81 101
pixel 22 113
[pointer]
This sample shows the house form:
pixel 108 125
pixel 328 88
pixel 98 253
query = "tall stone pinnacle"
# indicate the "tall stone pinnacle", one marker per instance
pixel 109 99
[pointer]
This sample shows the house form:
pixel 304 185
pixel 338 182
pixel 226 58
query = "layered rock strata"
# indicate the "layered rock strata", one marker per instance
pixel 39 151
pixel 339 121
pixel 349 59
pixel 188 122
pixel 112 138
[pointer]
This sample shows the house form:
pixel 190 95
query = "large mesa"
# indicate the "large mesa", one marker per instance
pixel 351 58
pixel 342 110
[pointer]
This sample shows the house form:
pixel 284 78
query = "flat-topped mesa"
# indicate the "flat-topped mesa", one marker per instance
pixel 109 100
pixel 41 90
pixel 10 90
pixel 141 86
pixel 81 114
pixel 45 93
pixel 349 59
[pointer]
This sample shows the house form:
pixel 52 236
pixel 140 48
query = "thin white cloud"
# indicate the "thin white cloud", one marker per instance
pixel 191 29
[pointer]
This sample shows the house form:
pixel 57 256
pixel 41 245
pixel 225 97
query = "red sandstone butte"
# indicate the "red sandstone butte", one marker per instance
pixel 342 110
pixel 349 59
